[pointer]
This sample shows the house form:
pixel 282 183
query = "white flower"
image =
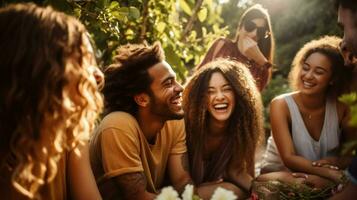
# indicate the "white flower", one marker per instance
pixel 223 194
pixel 188 193
pixel 168 193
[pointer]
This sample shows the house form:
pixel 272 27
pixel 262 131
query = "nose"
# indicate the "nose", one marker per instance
pixel 99 77
pixel 178 87
pixel 219 95
pixel 308 74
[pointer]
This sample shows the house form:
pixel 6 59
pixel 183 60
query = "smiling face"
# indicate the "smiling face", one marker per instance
pixel 315 74
pixel 221 100
pixel 165 97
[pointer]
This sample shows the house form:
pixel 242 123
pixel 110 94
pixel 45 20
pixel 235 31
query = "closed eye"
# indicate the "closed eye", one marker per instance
pixel 168 82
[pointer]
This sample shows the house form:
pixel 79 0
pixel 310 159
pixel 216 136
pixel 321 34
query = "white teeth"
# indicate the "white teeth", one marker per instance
pixel 220 106
pixel 307 84
pixel 177 101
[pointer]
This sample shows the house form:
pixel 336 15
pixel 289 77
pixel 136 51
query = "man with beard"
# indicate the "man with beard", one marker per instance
pixel 347 19
pixel 141 134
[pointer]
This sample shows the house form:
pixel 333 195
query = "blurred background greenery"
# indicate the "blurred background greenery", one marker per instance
pixel 186 28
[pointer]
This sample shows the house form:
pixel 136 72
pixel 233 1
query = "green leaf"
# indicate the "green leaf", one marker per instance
pixel 349 98
pixel 171 56
pixel 185 7
pixel 134 12
pixel 129 34
pixel 161 27
pixel 113 5
pixel 77 12
pixel 193 35
pixel 202 14
pixel 118 15
pixel 102 3
pixel 124 11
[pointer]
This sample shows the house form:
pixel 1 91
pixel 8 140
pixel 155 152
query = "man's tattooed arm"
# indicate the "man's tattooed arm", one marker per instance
pixel 133 186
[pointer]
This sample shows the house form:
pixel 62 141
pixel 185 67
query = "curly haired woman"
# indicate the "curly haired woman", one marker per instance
pixel 223 118
pixel 49 104
pixel 309 124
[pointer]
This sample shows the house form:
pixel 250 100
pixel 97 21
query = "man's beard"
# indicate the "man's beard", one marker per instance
pixel 162 109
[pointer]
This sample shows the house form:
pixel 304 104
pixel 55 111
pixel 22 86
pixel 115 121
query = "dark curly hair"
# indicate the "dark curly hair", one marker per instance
pixel 128 76
pixel 328 46
pixel 245 127
pixel 49 98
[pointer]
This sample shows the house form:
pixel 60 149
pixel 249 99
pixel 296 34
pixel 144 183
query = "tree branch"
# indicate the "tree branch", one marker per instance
pixel 192 19
pixel 145 19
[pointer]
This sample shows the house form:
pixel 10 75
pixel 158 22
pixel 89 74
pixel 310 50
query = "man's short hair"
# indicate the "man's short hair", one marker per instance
pixel 128 76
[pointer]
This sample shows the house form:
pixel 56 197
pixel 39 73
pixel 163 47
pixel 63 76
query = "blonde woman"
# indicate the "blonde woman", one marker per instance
pixel 49 103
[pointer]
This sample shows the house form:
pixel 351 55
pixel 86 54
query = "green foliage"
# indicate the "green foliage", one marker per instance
pixel 294 191
pixel 114 23
pixel 297 22
pixel 351 101
pixel 278 85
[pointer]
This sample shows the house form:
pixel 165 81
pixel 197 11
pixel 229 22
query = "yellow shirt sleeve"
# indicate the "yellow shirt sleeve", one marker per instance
pixel 179 137
pixel 120 152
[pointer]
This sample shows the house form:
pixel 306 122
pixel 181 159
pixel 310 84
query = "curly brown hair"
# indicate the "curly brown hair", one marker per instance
pixel 128 76
pixel 328 46
pixel 49 99
pixel 245 127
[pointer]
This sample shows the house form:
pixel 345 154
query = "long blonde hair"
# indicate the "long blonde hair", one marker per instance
pixel 49 102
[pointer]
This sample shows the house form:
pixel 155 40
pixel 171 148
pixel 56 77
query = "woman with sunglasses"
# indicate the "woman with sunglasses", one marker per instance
pixel 253 45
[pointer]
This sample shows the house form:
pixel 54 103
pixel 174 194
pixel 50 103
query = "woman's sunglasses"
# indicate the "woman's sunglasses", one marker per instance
pixel 262 32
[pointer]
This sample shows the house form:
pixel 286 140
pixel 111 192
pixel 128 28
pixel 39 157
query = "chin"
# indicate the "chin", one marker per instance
pixel 177 115
pixel 221 118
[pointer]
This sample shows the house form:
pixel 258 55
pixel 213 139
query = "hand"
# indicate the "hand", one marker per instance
pixel 335 175
pixel 212 182
pixel 327 163
pixel 300 177
pixel 348 56
pixel 250 49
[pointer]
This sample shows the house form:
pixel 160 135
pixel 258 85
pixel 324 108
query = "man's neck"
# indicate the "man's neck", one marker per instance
pixel 149 124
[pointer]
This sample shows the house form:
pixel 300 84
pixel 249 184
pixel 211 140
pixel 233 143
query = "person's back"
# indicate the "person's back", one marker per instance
pixel 45 60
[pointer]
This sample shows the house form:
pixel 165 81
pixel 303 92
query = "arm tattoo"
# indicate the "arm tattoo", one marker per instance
pixel 184 162
pixel 131 184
